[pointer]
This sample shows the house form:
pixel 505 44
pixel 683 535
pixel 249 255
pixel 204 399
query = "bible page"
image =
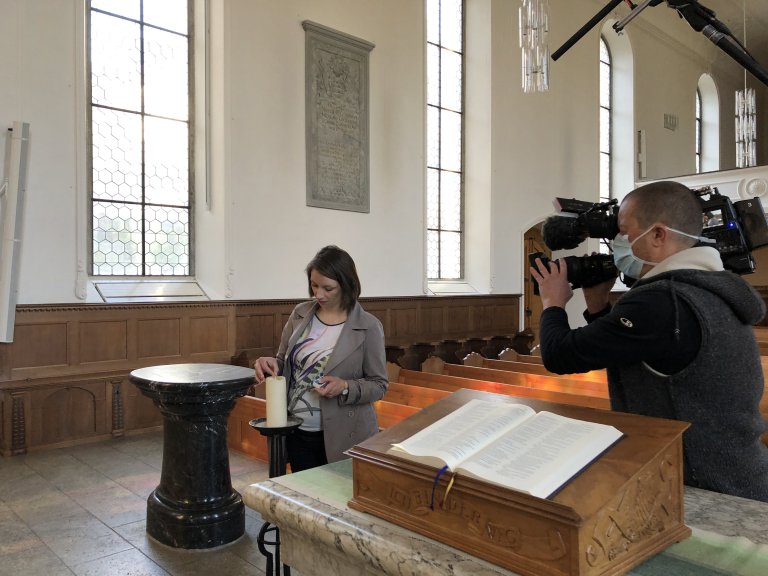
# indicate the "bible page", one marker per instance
pixel 542 454
pixel 463 432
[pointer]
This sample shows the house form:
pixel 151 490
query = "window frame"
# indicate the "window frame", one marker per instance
pixel 698 130
pixel 607 154
pixel 440 279
pixel 192 65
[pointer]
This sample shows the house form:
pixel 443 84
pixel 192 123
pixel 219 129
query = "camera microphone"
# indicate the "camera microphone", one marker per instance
pixel 563 232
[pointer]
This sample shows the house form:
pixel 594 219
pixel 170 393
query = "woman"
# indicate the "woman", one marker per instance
pixel 332 356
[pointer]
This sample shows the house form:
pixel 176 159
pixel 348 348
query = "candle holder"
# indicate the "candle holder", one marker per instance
pixel 276 441
pixel 277 462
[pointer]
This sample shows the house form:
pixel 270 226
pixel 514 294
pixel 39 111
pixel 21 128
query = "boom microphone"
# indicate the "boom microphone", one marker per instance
pixel 563 232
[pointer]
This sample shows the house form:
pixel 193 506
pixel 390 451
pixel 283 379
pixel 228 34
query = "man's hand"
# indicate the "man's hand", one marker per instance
pixel 596 296
pixel 553 283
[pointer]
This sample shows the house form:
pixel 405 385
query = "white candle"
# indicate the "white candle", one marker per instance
pixel 277 400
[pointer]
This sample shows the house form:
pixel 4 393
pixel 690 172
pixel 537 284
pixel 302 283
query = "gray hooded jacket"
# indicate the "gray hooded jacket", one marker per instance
pixel 718 393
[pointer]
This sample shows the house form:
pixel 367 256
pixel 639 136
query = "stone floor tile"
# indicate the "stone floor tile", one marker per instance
pixel 113 505
pixel 34 561
pixel 128 563
pixel 80 538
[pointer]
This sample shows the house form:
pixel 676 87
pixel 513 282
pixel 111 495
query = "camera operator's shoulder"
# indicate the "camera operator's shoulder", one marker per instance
pixel 653 299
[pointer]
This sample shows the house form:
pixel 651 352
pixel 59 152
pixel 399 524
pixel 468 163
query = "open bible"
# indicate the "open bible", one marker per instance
pixel 510 445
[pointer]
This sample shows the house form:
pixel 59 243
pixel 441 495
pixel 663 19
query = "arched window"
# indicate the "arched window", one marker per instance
pixel 618 162
pixel 707 125
pixel 445 129
pixel 698 131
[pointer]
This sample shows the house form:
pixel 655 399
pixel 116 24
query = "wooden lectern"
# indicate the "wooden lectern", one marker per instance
pixel 624 507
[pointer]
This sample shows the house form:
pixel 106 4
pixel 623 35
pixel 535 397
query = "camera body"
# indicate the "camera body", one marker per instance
pixel 736 227
pixel 579 220
pixel 583 271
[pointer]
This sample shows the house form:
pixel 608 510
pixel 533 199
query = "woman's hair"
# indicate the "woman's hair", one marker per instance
pixel 670 203
pixel 334 263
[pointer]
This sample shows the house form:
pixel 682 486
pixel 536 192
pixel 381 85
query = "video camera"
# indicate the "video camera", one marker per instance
pixel 578 221
pixel 736 227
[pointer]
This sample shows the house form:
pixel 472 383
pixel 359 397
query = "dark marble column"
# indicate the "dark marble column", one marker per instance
pixel 194 506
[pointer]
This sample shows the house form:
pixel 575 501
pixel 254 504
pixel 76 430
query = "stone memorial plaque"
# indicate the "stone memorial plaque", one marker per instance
pixel 337 119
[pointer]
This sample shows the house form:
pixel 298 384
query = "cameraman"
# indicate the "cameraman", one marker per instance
pixel 679 344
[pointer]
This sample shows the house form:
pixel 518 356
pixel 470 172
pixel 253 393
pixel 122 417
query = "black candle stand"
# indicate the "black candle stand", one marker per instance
pixel 277 462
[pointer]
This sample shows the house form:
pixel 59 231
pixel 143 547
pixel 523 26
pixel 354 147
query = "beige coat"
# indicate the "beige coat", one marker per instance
pixel 358 358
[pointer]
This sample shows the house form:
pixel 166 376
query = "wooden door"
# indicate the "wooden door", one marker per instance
pixel 532 311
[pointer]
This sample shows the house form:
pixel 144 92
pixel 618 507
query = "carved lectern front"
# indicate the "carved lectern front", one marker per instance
pixel 624 507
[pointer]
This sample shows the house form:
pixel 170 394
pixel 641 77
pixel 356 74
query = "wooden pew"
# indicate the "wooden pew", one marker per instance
pixel 240 435
pixel 390 413
pixel 545 382
pixel 761 333
pixel 514 356
pixel 477 361
pixel 453 383
pixel 410 395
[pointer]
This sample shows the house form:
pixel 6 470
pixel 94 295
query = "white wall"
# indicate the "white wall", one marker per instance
pixel 37 85
pixel 254 241
pixel 272 233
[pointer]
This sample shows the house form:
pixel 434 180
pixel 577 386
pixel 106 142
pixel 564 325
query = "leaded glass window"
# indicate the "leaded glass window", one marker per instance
pixel 445 94
pixel 606 193
pixel 698 131
pixel 140 103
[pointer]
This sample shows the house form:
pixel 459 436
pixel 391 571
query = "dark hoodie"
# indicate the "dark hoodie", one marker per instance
pixel 680 345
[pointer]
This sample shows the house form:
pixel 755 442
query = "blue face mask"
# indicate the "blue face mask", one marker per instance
pixel 626 261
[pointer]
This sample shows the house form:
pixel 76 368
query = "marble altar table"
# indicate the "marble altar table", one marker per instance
pixel 194 506
pixel 321 535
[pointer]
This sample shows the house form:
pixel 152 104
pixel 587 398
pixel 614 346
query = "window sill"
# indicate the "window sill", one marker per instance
pixel 440 287
pixel 146 290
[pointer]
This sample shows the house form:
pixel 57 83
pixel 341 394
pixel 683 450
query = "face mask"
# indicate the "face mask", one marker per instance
pixel 630 264
pixel 625 260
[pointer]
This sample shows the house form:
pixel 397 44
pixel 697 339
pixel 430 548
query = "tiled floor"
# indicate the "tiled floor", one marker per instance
pixel 82 510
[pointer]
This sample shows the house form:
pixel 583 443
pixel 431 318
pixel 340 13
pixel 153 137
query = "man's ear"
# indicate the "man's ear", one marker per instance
pixel 660 233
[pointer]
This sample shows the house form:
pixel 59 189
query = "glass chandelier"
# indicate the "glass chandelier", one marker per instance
pixel 534 29
pixel 746 128
pixel 746 116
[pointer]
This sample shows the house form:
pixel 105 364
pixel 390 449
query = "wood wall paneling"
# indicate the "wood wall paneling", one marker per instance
pixel 158 337
pixel 457 321
pixel 40 345
pixel 256 331
pixel 139 412
pixel 103 341
pixel 64 379
pixel 62 415
pixel 404 326
pixel 208 334
pixel 432 321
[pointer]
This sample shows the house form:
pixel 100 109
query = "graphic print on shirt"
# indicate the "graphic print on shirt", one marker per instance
pixel 307 362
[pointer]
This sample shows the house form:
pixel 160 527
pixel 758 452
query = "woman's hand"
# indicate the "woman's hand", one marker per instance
pixel 263 366
pixel 331 386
